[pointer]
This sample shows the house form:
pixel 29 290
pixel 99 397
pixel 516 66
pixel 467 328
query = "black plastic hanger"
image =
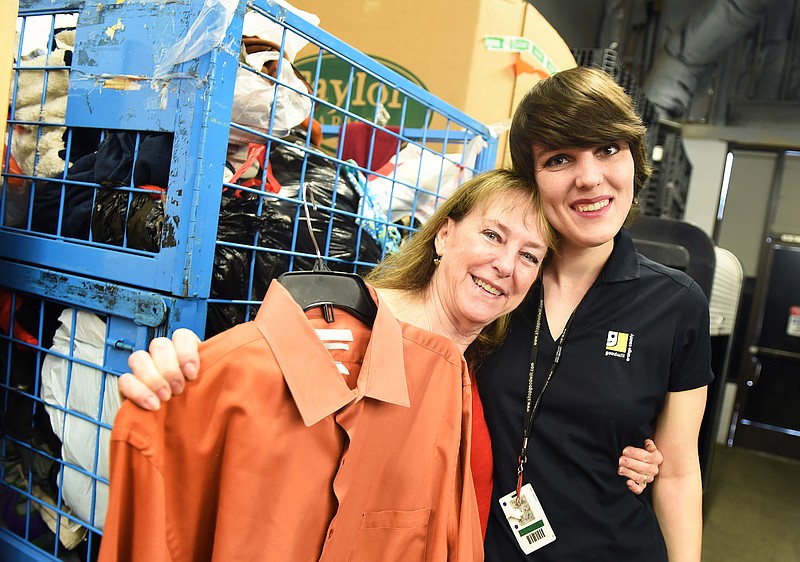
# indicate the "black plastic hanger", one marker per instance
pixel 326 288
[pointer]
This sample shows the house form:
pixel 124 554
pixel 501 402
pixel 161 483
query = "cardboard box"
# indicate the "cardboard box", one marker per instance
pixel 467 53
pixel 8 18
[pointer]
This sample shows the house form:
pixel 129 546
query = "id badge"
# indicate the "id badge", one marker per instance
pixel 527 520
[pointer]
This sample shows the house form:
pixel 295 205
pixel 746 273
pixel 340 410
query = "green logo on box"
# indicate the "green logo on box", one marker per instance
pixel 344 86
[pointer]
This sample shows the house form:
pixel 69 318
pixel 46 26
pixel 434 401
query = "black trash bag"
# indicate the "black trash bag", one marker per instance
pixel 142 222
pixel 146 222
pixel 238 217
pixel 240 221
pixel 108 216
pixel 229 281
pixel 347 241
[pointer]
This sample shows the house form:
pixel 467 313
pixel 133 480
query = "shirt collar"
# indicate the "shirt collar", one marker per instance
pixel 320 391
pixel 623 263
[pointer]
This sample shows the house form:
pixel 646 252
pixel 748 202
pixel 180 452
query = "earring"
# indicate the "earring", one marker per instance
pixel 436 260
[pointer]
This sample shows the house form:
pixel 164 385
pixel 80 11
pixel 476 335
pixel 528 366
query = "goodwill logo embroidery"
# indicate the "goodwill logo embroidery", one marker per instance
pixel 619 344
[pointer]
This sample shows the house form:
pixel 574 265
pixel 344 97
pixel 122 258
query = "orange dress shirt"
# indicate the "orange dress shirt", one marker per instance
pixel 274 455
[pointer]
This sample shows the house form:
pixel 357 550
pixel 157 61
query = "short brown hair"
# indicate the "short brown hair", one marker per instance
pixel 578 107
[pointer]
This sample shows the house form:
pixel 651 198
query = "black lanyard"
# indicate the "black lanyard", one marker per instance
pixel 530 406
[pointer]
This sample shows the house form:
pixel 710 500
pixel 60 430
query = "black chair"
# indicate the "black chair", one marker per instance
pixel 686 247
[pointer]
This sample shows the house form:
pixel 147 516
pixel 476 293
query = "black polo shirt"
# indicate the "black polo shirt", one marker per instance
pixel 641 331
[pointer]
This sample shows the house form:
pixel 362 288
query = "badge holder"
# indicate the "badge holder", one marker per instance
pixel 527 520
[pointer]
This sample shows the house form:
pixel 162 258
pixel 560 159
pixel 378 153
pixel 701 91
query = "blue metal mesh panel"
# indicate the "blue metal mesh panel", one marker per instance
pixel 59 359
pixel 116 174
pixel 54 476
pixel 94 153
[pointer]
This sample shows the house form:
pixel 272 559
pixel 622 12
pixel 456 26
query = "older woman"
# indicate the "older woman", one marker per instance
pixel 362 459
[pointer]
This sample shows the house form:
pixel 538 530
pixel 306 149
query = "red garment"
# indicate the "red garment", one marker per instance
pixel 358 137
pixel 481 459
pixel 15 331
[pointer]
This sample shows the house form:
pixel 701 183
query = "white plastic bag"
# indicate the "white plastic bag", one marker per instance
pixel 253 96
pixel 418 180
pixel 81 438
pixel 256 25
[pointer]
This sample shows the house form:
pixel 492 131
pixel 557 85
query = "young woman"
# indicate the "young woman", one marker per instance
pixel 609 348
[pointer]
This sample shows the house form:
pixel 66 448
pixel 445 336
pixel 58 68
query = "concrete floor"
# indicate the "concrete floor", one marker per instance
pixel 752 508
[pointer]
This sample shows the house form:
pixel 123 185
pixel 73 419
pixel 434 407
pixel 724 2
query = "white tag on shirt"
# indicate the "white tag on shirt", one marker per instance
pixel 527 519
pixel 337 345
pixel 334 335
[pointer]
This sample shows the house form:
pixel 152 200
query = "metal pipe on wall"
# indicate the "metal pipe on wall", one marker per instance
pixel 692 49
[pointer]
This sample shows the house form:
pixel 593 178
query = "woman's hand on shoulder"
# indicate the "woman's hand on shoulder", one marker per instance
pixel 161 371
pixel 640 466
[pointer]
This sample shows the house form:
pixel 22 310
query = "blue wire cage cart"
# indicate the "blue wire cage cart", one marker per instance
pixel 163 162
